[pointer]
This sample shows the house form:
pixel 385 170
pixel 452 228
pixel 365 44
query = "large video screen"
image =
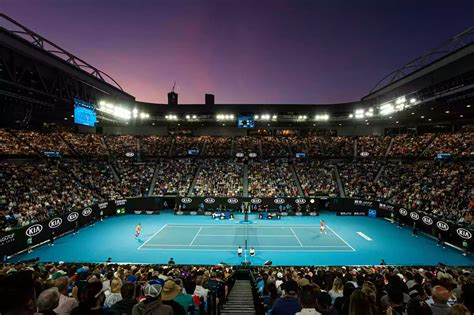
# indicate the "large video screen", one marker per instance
pixel 245 122
pixel 84 116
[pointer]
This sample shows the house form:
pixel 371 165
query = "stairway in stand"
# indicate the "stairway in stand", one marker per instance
pixel 240 299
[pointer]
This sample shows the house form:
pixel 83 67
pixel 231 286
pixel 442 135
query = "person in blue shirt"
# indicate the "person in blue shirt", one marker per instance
pixel 288 304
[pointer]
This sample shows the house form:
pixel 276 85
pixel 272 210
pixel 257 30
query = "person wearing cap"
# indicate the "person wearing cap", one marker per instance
pixel 288 303
pixel 152 304
pixel 170 292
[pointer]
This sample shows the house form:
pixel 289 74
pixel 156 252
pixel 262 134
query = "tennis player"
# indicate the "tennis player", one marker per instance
pixel 322 229
pixel 138 230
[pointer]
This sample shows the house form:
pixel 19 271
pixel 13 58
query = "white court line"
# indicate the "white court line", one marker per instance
pixel 340 238
pixel 260 250
pixel 296 237
pixel 152 236
pixel 233 246
pixel 226 226
pixel 220 235
pixel 195 236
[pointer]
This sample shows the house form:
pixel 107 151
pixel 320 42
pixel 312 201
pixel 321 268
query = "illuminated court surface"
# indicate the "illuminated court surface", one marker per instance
pixel 263 238
pixel 289 241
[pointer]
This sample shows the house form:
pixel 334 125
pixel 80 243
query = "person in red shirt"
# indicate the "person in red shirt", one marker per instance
pixel 323 228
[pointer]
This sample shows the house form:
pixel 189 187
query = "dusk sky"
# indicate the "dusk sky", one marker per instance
pixel 319 51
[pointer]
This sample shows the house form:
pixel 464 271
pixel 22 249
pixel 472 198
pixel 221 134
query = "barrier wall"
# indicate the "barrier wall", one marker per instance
pixel 15 241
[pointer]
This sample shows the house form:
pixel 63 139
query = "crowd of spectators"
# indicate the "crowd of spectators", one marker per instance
pixel 442 188
pixel 41 142
pixel 358 178
pixel 310 145
pixel 135 178
pixel 97 175
pixel 86 144
pixel 366 290
pixel 275 146
pixel 174 176
pixel 184 143
pixel 11 145
pixel 31 191
pixel 218 146
pixel 456 144
pixel 374 145
pixel 271 179
pixel 316 177
pixel 409 145
pixel 219 178
pixel 119 146
pixel 155 146
pixel 247 145
pixel 110 289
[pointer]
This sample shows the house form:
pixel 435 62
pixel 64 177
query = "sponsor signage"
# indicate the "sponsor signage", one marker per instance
pixel 55 223
pixel 86 212
pixel 34 230
pixel 73 216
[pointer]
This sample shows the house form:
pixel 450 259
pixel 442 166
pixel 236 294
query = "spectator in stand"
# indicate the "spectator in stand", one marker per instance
pixel 128 301
pixel 219 179
pixel 288 303
pixel 91 300
pixel 170 292
pixel 114 296
pixel 307 298
pixel 200 290
pixel 336 290
pixel 48 300
pixel 66 303
pixel 324 304
pixel 152 303
pixel 271 179
pixel 359 304
pixel 440 304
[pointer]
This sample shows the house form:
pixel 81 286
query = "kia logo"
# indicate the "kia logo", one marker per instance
pixel 443 226
pixel 54 223
pixel 186 200
pixel 193 213
pixel 209 200
pixel 364 154
pixel 464 233
pixel 256 201
pixel 427 220
pixel 34 230
pixel 300 201
pixel 414 216
pixel 403 212
pixel 232 200
pixel 86 212
pixel 72 216
pixel 279 201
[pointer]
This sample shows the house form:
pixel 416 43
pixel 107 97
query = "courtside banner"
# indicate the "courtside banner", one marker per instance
pixel 209 204
pixel 14 241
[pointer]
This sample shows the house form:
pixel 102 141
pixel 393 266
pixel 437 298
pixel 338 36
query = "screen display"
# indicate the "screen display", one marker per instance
pixel 245 122
pixel 300 155
pixel 443 156
pixel 84 116
pixel 193 151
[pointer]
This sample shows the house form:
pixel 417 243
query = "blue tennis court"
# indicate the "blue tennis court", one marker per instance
pixel 289 241
pixel 229 237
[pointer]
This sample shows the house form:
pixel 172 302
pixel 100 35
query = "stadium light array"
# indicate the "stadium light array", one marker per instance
pixel 302 118
pixel 323 117
pixel 171 117
pixel 225 117
pixel 191 117
pixel 120 112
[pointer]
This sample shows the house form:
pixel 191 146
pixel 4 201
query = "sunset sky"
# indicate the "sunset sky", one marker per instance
pixel 319 51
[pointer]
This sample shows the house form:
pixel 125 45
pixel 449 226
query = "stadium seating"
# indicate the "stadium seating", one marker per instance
pixel 97 168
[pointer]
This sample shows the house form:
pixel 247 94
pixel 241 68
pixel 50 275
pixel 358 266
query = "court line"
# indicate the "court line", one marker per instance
pixel 260 250
pixel 220 235
pixel 226 226
pixel 233 246
pixel 152 236
pixel 340 238
pixel 191 244
pixel 296 237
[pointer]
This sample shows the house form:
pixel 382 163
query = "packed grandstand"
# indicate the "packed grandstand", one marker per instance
pixel 94 168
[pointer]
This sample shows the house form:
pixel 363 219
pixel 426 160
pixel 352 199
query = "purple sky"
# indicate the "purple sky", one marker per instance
pixel 319 51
